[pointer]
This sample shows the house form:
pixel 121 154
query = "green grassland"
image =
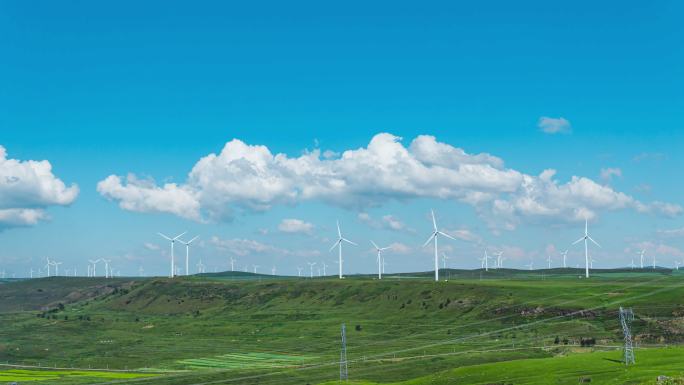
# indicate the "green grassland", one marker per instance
pixel 497 327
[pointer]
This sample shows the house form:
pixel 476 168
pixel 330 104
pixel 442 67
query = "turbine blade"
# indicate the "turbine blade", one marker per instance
pixel 339 232
pixel 164 236
pixel 434 221
pixel 446 235
pixel 335 244
pixel 179 235
pixel 193 239
pixel 578 241
pixel 596 243
pixel 429 239
pixel 348 241
pixel 374 245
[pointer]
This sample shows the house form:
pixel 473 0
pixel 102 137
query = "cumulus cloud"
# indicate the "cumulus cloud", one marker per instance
pixel 246 177
pixel 295 226
pixel 400 248
pixel 27 188
pixel 246 247
pixel 464 235
pixel 151 246
pixel 672 233
pixel 393 223
pixel 554 125
pixel 607 174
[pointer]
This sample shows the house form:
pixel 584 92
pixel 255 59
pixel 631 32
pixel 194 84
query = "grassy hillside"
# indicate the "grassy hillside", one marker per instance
pixel 263 329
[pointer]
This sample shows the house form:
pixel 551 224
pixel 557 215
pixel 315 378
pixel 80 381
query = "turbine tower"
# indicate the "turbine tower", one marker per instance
pixel 172 240
pixel 338 244
pixel 311 265
pixel 299 271
pixel 379 250
pixel 565 255
pixel 641 259
pixel 232 264
pixel 586 238
pixel 433 236
pixel 548 259
pixel 187 253
pixel 499 259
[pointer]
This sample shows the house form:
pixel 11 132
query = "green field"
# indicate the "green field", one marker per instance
pixel 497 327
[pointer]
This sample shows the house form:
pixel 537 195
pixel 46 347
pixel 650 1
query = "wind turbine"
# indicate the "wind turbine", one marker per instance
pixel 94 263
pixel 486 261
pixel 141 271
pixel 379 250
pixel 187 253
pixel 338 244
pixel 654 262
pixel 499 259
pixel 255 268
pixel 31 272
pixel 299 271
pixel 444 260
pixel 676 265
pixel 273 270
pixel 631 264
pixel 47 265
pixel 548 259
pixel 433 236
pixel 200 267
pixel 565 255
pixel 530 265
pixel 311 265
pixel 586 238
pixel 108 272
pixel 642 257
pixel 172 240
pixel 232 264
pixel 324 266
pixel 56 265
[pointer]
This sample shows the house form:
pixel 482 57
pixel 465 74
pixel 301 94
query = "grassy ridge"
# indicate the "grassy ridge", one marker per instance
pixel 220 326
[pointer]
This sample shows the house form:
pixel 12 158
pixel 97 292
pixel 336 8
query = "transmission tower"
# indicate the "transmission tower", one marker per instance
pixel 626 318
pixel 343 355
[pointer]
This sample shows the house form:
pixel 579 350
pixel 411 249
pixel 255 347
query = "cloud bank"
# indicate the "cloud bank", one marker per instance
pixel 27 189
pixel 245 177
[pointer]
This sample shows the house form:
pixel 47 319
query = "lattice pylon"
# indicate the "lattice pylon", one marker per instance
pixel 626 318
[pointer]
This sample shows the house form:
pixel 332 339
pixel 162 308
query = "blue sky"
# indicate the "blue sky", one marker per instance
pixel 100 89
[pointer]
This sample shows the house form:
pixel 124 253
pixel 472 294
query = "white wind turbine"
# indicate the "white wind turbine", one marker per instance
pixel 108 272
pixel 433 236
pixel 94 264
pixel 172 240
pixel 676 265
pixel 654 262
pixel 444 261
pixel 379 251
pixel 31 272
pixel 56 265
pixel 565 256
pixel 273 270
pixel 499 259
pixel 47 265
pixel 232 264
pixel 299 271
pixel 324 266
pixel 586 238
pixel 200 267
pixel 338 244
pixel 187 253
pixel 255 268
pixel 631 264
pixel 311 265
pixel 486 260
pixel 641 259
pixel 141 271
pixel 548 259
pixel 530 265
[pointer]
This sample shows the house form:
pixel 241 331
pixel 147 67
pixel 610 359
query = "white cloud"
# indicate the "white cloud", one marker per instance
pixel 400 248
pixel 247 247
pixel 151 246
pixel 672 233
pixel 27 188
pixel 554 125
pixel 464 235
pixel 607 174
pixel 145 196
pixel 393 223
pixel 250 178
pixel 295 226
pixel 658 248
